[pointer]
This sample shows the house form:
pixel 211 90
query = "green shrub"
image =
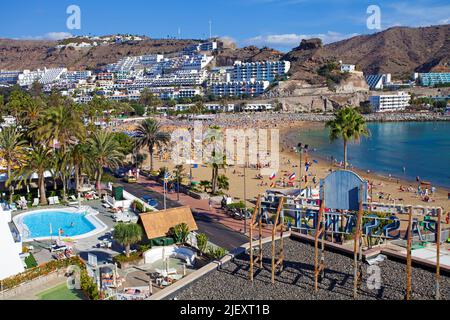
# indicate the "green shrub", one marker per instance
pixel 216 253
pixel 236 205
pixel 121 258
pixel 202 242
pixel 30 261
pixel 180 232
pixel 88 286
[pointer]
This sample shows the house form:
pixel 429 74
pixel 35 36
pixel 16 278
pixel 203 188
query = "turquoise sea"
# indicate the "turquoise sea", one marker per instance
pixel 402 149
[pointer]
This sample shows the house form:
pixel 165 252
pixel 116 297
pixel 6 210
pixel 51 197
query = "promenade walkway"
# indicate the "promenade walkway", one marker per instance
pixel 201 208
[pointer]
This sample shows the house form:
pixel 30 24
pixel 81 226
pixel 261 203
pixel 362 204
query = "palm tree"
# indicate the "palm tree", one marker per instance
pixel 149 135
pixel 223 182
pixel 37 161
pixel 62 124
pixel 179 175
pixel 217 159
pixel 347 125
pixel 79 158
pixel 103 152
pixel 12 150
pixel 127 234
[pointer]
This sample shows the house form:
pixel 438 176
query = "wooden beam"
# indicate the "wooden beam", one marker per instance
pixel 408 255
pixel 260 239
pixel 357 244
pixel 316 245
pixel 438 253
pixel 277 216
pixel 255 212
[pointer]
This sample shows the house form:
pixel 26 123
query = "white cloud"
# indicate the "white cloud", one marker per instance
pixel 57 35
pixel 50 36
pixel 290 40
pixel 415 15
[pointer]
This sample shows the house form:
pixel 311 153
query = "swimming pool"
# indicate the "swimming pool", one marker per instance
pixel 44 224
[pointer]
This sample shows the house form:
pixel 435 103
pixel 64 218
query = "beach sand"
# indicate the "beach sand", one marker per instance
pixel 390 187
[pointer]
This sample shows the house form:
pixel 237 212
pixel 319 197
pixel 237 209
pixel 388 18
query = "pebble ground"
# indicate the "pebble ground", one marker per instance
pixel 296 282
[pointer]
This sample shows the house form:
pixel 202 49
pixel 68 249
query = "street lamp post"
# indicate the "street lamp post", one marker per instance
pixel 300 149
pixel 245 200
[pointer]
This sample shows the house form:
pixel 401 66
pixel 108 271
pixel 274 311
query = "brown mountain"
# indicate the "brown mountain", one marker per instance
pixel 398 50
pixel 28 54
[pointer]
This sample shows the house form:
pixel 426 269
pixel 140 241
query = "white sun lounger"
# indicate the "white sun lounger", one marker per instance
pixel 51 201
pixel 35 202
pixel 56 200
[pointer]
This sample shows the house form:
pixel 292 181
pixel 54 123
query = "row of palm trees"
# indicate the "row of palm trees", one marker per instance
pixel 51 136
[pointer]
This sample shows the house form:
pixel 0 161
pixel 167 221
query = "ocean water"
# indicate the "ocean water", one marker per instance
pixel 421 148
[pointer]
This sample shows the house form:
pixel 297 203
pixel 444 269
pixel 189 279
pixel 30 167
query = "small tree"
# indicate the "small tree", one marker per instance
pixel 205 184
pixel 202 242
pixel 180 232
pixel 223 183
pixel 127 234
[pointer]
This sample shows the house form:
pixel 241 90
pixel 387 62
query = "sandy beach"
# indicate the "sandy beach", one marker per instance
pixel 385 189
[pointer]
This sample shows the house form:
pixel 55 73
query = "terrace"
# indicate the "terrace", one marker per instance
pixel 296 281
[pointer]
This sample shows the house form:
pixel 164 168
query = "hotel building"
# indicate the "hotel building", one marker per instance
pixel 260 71
pixel 390 103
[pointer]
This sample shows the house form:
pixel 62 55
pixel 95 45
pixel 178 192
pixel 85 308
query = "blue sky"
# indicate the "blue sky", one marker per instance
pixel 276 23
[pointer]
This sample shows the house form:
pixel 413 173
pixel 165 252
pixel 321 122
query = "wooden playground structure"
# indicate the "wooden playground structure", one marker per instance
pixel 320 231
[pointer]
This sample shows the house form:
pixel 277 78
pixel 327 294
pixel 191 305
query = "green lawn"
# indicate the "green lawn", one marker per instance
pixel 60 292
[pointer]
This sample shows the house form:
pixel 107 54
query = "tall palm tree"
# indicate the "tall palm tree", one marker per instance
pixel 127 234
pixel 347 125
pixel 149 135
pixel 217 159
pixel 12 150
pixel 37 161
pixel 62 124
pixel 79 158
pixel 103 152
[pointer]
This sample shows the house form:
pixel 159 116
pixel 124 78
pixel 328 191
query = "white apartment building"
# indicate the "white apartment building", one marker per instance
pixel 10 246
pixel 219 107
pixel 390 103
pixel 239 88
pixel 196 62
pixel 260 71
pixel 378 81
pixel 27 77
pixel 347 67
pixel 9 77
pixel 205 46
pixel 221 74
pixel 45 76
pixel 257 107
pixel 175 93
pixel 76 76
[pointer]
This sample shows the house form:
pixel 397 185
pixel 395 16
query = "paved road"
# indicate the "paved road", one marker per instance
pixel 216 232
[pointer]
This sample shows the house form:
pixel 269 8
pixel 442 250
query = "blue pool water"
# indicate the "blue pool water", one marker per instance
pixel 422 148
pixel 72 224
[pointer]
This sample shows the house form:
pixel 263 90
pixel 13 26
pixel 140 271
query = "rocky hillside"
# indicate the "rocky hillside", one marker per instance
pixel 20 54
pixel 398 50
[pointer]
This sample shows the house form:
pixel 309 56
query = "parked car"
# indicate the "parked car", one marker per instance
pixel 150 201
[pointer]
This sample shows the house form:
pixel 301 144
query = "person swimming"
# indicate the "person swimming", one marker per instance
pixel 72 224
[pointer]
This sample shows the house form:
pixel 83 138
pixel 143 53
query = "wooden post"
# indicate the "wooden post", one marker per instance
pixel 260 239
pixel 280 206
pixel 255 212
pixel 322 252
pixel 316 245
pixel 438 252
pixel 357 244
pixel 408 255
